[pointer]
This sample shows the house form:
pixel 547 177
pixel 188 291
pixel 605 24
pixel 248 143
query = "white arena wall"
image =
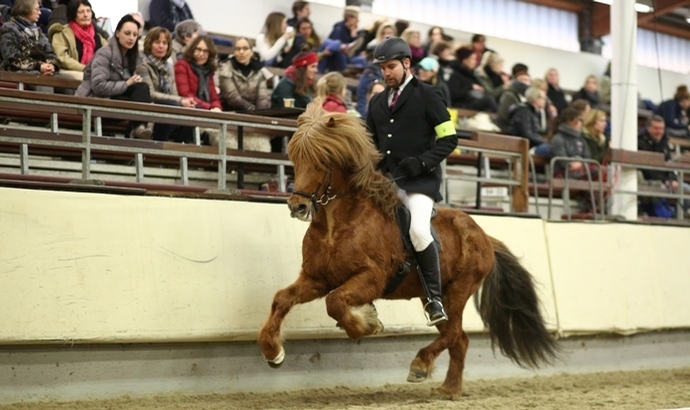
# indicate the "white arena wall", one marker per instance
pixel 89 268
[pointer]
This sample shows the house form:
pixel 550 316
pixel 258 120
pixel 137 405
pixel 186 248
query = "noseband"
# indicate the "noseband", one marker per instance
pixel 324 198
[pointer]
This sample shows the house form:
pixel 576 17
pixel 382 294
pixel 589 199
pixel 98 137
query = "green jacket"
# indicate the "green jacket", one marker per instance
pixel 596 150
pixel 286 89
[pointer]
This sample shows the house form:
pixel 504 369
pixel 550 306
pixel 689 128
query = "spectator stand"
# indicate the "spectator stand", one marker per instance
pixel 88 145
pixel 566 185
pixel 640 160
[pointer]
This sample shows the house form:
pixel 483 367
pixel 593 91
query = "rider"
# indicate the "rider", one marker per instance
pixel 412 129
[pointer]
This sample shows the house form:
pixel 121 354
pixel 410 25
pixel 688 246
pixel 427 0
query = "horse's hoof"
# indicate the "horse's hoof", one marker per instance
pixel 446 394
pixel 278 361
pixel 416 376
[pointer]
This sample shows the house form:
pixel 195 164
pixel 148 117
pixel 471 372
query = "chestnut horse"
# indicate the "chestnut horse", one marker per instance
pixel 353 248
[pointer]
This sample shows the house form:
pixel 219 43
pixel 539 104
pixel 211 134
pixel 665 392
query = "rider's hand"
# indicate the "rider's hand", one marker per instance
pixel 411 166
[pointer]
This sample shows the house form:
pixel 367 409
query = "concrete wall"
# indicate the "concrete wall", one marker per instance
pixel 91 268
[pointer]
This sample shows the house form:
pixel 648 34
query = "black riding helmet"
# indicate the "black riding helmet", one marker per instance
pixel 392 48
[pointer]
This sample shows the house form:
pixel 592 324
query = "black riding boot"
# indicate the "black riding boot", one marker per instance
pixel 430 274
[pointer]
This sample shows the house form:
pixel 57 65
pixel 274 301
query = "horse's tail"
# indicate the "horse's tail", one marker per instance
pixel 509 307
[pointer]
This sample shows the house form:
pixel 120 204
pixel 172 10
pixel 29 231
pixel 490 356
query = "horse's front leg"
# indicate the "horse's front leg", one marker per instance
pixel 350 305
pixel 303 290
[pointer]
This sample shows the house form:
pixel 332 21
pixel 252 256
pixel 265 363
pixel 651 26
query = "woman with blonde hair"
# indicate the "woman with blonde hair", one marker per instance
pixel 413 38
pixel 491 75
pixel 555 93
pixel 331 90
pixel 386 29
pixel 276 41
pixel 589 92
pixel 593 132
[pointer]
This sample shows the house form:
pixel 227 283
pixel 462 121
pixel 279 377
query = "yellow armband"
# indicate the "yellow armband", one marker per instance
pixel 445 129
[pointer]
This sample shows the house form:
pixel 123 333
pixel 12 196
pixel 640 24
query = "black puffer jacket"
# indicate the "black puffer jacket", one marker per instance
pixel 525 122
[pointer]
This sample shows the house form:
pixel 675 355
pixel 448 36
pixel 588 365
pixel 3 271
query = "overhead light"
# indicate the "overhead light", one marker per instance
pixel 639 7
pixel 688 20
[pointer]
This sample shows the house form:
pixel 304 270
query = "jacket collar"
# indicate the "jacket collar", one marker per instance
pixel 406 92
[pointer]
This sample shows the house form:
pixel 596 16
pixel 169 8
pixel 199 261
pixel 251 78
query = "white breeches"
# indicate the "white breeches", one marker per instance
pixel 420 207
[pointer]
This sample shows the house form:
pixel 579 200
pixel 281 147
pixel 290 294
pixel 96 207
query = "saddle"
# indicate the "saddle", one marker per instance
pixel 403 218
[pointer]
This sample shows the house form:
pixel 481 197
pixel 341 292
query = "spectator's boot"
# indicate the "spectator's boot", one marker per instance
pixel 430 275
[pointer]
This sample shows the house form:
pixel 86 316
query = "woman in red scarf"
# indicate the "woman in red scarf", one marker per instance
pixel 298 83
pixel 77 42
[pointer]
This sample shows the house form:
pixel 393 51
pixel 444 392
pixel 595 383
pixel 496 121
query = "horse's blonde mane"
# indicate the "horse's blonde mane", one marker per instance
pixel 325 140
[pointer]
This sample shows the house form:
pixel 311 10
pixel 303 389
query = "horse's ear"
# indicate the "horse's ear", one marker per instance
pixel 331 122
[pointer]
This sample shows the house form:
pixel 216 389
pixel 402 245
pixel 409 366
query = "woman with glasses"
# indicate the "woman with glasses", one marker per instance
pixel 194 74
pixel 23 46
pixel 243 80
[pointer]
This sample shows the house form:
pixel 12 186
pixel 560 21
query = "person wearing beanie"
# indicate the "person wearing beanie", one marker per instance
pixel 428 72
pixel 412 130
pixel 298 82
pixel 465 89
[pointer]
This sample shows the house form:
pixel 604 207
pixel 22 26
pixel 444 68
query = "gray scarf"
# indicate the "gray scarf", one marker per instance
pixel 204 73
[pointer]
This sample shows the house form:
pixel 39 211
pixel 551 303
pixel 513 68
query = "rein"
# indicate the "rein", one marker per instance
pixel 324 198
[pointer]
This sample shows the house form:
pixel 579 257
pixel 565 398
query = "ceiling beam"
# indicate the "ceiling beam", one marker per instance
pixel 600 20
pixel 574 6
pixel 671 30
pixel 663 7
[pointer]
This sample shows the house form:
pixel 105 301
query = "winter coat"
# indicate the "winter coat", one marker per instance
pixel 153 80
pixel 333 103
pixel 645 142
pixel 673 115
pixel 240 93
pixel 67 46
pixel 491 81
pixel 106 75
pixel 21 51
pixel 165 13
pixel 557 98
pixel 597 149
pixel 568 142
pixel 592 98
pixel 371 73
pixel 460 85
pixel 187 83
pixel 286 89
pixel 525 122
pixel 410 130
pixel 342 33
pixel 513 95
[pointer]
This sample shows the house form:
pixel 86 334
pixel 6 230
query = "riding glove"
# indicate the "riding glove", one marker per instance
pixel 411 166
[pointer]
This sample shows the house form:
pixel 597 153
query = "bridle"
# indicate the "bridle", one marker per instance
pixel 324 198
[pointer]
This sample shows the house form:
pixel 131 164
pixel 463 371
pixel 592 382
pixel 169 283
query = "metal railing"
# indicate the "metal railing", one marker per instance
pixel 567 179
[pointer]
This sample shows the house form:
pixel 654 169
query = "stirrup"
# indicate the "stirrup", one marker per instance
pixel 438 317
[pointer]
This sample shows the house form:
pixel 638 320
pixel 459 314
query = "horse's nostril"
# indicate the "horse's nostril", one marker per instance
pixel 302 208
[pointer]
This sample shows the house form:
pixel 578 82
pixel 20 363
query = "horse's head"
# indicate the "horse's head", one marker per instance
pixel 333 155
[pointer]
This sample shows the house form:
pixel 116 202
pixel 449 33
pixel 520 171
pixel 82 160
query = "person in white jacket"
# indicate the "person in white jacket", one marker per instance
pixel 275 40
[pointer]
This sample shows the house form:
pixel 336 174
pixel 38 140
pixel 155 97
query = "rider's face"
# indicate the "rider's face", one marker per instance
pixel 393 71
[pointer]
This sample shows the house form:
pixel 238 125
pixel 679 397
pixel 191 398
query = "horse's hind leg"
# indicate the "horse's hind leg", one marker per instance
pixel 302 290
pixel 452 386
pixel 350 305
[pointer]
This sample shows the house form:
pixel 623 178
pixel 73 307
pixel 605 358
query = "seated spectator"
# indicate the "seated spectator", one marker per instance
pixel 401 25
pixel 368 34
pixel 167 13
pixel 435 35
pixel 525 117
pixel 513 95
pixel 385 29
pixel 342 44
pixel 371 74
pixel 413 39
pixel 23 46
pixel 555 94
pixel 567 141
pixel 465 91
pixel 185 32
pixel 653 138
pixel 277 44
pixel 549 112
pixel 593 132
pixel 300 10
pixel 374 88
pixel 675 113
pixel 491 76
pixel 305 28
pixel 428 72
pixel 479 48
pixel 243 80
pixel 76 43
pixel 111 73
pixel 331 90
pixel 582 106
pixel 298 83
pixel 160 78
pixel 589 92
pixel 444 55
pixel 44 12
pixel 194 74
